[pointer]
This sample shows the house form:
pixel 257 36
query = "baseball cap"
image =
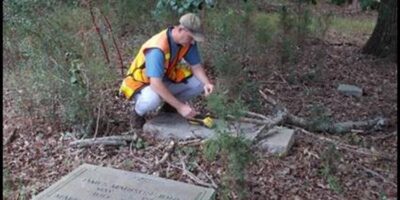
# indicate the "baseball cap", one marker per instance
pixel 192 22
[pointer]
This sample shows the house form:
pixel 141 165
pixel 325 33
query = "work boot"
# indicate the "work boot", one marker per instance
pixel 137 121
pixel 168 108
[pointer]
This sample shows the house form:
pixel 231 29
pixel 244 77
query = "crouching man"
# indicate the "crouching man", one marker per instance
pixel 168 68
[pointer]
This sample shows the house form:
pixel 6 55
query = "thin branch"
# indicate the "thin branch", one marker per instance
pixel 11 137
pixel 249 120
pixel 98 31
pixel 207 175
pixel 378 175
pixel 115 44
pixel 192 176
pixel 193 142
pixel 97 121
pixel 347 147
pixel 168 151
pixel 253 114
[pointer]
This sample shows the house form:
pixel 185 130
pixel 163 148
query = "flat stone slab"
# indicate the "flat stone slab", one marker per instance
pixel 280 142
pixel 350 90
pixel 90 182
pixel 173 125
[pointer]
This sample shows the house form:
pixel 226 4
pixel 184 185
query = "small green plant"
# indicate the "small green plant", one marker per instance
pixel 266 27
pixel 235 154
pixel 320 119
pixel 221 106
pixel 330 159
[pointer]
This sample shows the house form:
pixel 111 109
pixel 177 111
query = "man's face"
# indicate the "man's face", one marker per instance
pixel 186 36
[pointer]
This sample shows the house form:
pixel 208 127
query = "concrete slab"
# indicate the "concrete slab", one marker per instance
pixel 280 142
pixel 172 125
pixel 90 182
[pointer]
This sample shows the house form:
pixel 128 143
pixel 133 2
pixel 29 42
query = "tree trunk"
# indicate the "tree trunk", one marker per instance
pixel 383 41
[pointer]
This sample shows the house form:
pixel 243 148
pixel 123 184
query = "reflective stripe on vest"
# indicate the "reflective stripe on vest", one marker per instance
pixel 136 76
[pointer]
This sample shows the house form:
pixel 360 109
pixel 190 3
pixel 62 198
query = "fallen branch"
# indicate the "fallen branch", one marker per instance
pixel 378 175
pixel 193 142
pixel 248 120
pixel 110 141
pixel 341 127
pixel 385 136
pixel 354 149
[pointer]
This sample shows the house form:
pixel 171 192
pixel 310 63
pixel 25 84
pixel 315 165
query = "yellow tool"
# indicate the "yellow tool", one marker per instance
pixel 206 120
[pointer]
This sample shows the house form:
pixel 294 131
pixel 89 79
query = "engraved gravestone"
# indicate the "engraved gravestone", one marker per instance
pixel 90 182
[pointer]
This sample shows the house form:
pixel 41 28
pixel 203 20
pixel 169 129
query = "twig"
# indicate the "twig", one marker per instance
pixel 11 137
pixel 385 136
pixel 208 176
pixel 347 147
pixel 192 176
pixel 253 114
pixel 268 99
pixel 378 175
pixel 115 44
pixel 284 80
pixel 193 142
pixel 168 151
pixel 98 31
pixel 97 121
pixel 257 132
pixel 249 120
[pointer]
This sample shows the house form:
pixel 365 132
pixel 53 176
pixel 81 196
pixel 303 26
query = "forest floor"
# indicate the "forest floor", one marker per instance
pixel 37 154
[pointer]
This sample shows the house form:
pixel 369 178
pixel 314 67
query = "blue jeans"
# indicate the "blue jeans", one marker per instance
pixel 146 100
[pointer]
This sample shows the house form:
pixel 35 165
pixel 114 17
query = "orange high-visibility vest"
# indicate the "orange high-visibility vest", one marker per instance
pixel 136 77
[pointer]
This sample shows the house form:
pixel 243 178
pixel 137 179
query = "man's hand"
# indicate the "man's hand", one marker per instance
pixel 208 89
pixel 187 111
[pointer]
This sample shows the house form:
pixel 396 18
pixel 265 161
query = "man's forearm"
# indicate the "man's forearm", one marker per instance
pixel 199 73
pixel 158 86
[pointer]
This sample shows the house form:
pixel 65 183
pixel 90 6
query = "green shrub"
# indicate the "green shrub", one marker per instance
pixel 330 159
pixel 320 119
pixel 235 154
pixel 266 27
pixel 60 73
pixel 338 2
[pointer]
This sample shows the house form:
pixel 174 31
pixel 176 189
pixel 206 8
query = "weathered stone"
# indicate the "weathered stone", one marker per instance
pixel 172 125
pixel 279 142
pixel 350 90
pixel 89 182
